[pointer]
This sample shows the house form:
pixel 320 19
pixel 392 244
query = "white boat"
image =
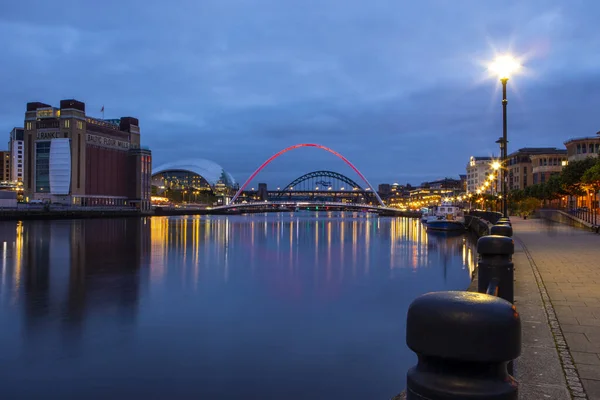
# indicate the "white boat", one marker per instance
pixel 446 217
pixel 425 213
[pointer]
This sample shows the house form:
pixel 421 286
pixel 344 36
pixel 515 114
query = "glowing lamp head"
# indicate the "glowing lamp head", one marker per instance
pixel 504 66
pixel 495 165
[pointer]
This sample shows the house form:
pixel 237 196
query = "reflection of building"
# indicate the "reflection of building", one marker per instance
pixel 76 159
pixel 520 167
pixel 192 180
pixel 5 166
pixel 581 148
pixel 15 146
pixel 80 270
pixel 546 164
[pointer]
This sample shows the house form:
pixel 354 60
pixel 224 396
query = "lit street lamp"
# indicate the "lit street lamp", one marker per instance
pixel 503 67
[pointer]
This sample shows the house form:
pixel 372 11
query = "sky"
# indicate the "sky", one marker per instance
pixel 400 88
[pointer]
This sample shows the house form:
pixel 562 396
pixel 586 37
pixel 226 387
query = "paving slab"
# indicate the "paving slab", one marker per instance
pixel 564 262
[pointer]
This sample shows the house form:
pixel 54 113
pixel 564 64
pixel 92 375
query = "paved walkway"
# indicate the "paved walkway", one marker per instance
pixel 557 293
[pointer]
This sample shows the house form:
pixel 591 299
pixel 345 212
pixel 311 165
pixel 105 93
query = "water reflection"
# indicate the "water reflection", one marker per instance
pixel 220 307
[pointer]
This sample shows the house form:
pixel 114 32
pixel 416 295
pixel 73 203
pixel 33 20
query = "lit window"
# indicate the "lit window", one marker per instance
pixel 67 123
pixel 79 125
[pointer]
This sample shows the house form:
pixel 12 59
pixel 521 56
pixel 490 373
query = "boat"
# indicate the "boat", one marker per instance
pixel 425 213
pixel 446 217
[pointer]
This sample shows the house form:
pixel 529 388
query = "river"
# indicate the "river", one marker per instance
pixel 274 306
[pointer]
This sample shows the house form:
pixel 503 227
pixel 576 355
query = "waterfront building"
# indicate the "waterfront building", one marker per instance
pixel 446 183
pixel 16 148
pixel 196 180
pixel 478 171
pixel 5 166
pixel 384 189
pixel 544 165
pixel 520 166
pixel 73 158
pixel 581 148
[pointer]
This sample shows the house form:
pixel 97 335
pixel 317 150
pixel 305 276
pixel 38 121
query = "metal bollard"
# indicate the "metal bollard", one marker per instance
pixel 495 267
pixel 501 230
pixel 504 220
pixel 464 341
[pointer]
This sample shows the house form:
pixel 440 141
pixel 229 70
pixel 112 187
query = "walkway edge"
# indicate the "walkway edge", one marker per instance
pixel 570 371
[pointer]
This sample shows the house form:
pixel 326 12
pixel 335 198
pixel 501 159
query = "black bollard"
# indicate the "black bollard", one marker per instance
pixel 464 341
pixel 495 272
pixel 501 230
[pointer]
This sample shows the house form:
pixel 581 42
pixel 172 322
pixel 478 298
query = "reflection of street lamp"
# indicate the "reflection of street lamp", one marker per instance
pixel 504 67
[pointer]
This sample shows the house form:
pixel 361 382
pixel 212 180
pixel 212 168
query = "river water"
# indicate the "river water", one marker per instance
pixel 275 306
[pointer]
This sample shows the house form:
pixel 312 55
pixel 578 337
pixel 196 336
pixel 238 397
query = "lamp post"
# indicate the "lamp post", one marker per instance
pixel 496 173
pixel 504 66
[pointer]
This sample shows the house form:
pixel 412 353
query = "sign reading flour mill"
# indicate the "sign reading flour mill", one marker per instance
pixel 107 142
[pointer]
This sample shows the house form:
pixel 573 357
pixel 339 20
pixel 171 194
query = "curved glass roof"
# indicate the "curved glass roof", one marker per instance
pixel 209 170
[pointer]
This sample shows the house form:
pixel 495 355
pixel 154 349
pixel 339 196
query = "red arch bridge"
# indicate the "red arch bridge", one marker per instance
pixel 285 203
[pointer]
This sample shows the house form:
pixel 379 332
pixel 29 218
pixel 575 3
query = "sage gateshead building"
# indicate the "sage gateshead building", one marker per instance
pixel 75 159
pixel 189 180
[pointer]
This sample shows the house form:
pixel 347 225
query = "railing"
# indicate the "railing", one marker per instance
pixel 466 341
pixel 584 214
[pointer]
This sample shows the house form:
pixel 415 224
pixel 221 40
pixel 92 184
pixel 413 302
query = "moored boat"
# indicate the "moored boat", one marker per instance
pixel 446 217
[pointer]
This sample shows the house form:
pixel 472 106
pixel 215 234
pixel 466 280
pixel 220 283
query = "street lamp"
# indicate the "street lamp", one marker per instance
pixel 504 67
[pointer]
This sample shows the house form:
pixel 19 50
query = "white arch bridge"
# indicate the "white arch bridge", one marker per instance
pixel 283 205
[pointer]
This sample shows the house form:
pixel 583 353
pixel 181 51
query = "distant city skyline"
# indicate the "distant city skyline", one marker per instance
pixel 401 90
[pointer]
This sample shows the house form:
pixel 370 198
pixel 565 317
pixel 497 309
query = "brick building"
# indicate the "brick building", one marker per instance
pixel 76 159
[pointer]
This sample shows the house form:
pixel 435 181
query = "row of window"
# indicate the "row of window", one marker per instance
pixel 52 123
pixel 543 162
pixel 67 124
pixel 591 148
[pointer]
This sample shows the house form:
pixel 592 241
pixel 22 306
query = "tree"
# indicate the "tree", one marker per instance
pixel 527 206
pixel 572 175
pixel 553 188
pixel 591 177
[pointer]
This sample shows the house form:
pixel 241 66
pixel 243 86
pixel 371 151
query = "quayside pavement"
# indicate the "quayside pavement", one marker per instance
pixel 557 293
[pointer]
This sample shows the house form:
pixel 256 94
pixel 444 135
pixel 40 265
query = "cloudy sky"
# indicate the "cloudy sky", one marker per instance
pixel 398 87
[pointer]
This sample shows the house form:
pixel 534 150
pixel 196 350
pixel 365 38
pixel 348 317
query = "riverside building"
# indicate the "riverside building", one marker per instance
pixel 15 146
pixel 72 158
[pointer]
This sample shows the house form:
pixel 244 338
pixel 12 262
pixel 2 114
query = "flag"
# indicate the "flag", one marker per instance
pixel 102 109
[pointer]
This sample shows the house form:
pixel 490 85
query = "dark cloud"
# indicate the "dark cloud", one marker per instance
pixel 397 88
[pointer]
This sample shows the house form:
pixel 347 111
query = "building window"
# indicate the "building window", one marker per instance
pixel 591 147
pixel 584 149
pixel 578 149
pixel 79 125
pixel 28 125
pixel 67 123
pixel 42 167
